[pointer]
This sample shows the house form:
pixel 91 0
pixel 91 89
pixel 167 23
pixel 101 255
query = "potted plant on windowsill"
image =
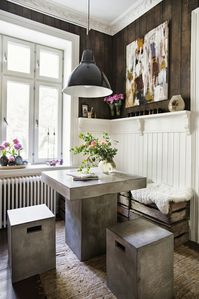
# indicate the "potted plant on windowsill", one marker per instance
pixel 96 152
pixel 10 153
pixel 4 158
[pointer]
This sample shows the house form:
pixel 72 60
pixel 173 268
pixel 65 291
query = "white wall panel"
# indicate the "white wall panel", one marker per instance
pixel 195 125
pixel 162 157
pixel 159 148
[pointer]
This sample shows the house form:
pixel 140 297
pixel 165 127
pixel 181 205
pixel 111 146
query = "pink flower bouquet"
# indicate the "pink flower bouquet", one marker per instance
pixel 115 102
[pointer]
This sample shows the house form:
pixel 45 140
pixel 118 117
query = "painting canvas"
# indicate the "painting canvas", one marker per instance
pixel 147 68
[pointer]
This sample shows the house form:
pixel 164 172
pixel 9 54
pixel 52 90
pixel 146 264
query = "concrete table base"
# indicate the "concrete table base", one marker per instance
pixel 90 206
pixel 86 222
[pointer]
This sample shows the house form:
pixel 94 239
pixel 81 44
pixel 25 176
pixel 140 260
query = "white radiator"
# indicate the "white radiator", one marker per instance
pixel 23 192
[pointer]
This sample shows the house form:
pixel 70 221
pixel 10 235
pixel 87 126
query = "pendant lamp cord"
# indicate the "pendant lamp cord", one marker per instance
pixel 88 25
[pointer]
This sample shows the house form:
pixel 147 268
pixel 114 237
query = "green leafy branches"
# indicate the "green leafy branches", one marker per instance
pixel 94 150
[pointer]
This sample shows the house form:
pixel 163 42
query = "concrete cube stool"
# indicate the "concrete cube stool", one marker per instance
pixel 31 241
pixel 140 260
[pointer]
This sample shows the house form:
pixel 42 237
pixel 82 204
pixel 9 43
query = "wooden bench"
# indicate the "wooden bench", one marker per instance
pixel 176 221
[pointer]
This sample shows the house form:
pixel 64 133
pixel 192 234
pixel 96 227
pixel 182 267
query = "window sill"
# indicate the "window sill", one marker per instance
pixel 30 170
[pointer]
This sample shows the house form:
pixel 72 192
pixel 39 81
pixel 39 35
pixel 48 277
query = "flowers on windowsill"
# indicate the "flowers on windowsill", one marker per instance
pixel 115 103
pixel 10 153
pixel 94 150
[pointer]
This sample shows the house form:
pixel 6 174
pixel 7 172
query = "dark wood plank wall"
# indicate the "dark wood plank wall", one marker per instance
pixel 100 43
pixel 178 13
pixel 110 52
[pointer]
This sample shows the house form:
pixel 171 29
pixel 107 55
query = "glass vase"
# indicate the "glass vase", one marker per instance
pixel 112 109
pixel 118 106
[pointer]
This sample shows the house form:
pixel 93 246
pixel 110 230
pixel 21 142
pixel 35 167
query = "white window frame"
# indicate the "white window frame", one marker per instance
pixel 1 89
pixel 6 40
pixel 1 62
pixel 23 28
pixel 34 80
pixel 36 127
pixel 31 106
pixel 60 55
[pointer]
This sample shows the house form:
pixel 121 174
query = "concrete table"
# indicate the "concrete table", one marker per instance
pixel 90 207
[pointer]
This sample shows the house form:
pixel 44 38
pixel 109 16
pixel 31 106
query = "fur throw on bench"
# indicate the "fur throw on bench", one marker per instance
pixel 161 195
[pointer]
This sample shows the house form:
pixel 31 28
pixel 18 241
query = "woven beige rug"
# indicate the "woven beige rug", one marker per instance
pixel 73 279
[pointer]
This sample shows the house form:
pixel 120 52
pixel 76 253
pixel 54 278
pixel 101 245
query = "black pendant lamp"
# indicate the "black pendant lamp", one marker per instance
pixel 87 80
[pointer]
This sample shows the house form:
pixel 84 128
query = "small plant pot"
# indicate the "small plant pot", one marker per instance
pixel 3 161
pixel 18 160
pixel 11 163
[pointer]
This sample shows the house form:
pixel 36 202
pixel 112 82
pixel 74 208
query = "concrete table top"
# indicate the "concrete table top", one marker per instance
pixel 62 182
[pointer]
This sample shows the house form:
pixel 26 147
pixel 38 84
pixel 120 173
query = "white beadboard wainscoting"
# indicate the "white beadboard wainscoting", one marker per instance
pixel 195 119
pixel 156 146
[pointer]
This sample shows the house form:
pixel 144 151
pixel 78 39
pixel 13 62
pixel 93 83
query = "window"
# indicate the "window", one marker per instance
pixel 49 64
pixel 48 122
pixel 18 57
pixel 31 97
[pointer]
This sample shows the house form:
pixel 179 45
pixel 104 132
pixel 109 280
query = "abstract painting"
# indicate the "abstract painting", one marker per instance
pixel 147 68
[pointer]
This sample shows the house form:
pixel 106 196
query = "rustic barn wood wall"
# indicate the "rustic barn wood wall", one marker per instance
pixel 178 13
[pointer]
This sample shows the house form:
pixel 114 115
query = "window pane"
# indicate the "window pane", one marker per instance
pixel 18 99
pixel 18 57
pixel 48 122
pixel 49 64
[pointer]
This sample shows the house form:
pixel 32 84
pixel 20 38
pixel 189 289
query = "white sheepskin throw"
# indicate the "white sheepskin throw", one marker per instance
pixel 162 195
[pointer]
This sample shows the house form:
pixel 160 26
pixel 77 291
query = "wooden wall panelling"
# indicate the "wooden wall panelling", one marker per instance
pixel 186 52
pixel 178 13
pixel 26 13
pixel 175 48
pixel 187 7
pixel 193 4
pixel 100 43
pixel 37 17
pixel 143 25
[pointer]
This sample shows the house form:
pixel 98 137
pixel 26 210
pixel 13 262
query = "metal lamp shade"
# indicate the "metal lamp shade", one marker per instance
pixel 87 80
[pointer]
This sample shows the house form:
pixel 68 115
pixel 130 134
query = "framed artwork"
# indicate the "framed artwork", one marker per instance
pixel 85 110
pixel 147 68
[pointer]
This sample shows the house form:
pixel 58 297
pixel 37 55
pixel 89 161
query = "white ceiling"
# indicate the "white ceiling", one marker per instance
pixel 104 10
pixel 108 16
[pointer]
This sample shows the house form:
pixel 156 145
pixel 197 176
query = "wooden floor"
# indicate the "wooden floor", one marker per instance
pixel 31 288
pixel 26 289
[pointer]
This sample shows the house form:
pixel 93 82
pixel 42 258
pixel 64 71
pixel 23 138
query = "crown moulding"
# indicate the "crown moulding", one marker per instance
pixel 59 11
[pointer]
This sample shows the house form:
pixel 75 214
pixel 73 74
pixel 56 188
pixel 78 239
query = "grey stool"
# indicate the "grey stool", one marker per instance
pixel 31 241
pixel 140 260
